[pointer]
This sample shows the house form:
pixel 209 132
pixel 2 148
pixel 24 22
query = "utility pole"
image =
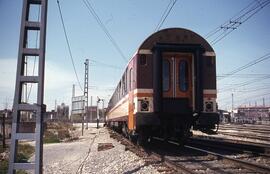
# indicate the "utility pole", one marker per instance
pixel 91 116
pixel 86 78
pixel 73 95
pixel 232 107
pixel 98 100
pixel 4 129
pixel 103 113
pixel 21 78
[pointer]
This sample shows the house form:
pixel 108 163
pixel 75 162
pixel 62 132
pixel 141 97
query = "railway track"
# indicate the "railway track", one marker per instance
pixel 171 158
pixel 246 136
pixel 245 151
pixel 199 159
pixel 264 129
pixel 234 145
pixel 259 131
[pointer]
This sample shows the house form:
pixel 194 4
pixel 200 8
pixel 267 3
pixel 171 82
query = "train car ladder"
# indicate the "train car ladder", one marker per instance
pixel 20 106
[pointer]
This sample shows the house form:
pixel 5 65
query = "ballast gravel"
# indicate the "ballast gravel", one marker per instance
pixel 82 156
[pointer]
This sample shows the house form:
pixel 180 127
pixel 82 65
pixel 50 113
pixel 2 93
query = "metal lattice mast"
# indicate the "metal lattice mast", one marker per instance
pixel 20 106
pixel 86 78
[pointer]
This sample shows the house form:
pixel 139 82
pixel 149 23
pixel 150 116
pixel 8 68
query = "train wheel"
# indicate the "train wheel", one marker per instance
pixel 125 130
pixel 217 126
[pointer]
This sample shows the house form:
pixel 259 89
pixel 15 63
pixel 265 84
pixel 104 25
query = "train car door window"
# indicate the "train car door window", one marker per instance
pixel 183 75
pixel 166 75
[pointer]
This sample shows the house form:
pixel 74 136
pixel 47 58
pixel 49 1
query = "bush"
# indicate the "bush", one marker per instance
pixel 50 137
pixel 25 151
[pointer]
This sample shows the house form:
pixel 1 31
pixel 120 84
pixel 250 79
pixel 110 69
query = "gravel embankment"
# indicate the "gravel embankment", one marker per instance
pixel 82 156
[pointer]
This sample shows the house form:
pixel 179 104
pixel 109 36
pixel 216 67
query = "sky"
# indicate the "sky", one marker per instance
pixel 130 22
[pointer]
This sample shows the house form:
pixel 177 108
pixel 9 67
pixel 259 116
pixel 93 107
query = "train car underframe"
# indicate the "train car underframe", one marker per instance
pixel 165 126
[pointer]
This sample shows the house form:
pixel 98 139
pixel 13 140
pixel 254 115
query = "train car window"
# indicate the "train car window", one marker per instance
pixel 165 75
pixel 209 61
pixel 143 60
pixel 130 79
pixel 183 75
pixel 126 79
pixel 123 84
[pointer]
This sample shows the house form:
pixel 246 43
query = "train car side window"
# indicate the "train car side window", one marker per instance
pixel 183 75
pixel 126 79
pixel 130 79
pixel 166 75
pixel 143 60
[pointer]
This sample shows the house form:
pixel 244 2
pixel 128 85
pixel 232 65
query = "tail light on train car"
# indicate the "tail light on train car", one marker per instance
pixel 144 105
pixel 209 106
pixel 209 100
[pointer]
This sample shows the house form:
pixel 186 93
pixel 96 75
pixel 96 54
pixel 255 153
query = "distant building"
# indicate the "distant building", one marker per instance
pixel 224 116
pixel 8 121
pixel 50 116
pixel 253 114
pixel 62 112
pixel 92 114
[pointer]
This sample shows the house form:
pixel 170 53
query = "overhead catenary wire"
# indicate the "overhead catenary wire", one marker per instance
pixel 165 14
pixel 68 44
pixel 241 75
pixel 253 62
pixel 245 83
pixel 217 29
pixel 105 64
pixel 253 97
pixel 233 23
pixel 103 27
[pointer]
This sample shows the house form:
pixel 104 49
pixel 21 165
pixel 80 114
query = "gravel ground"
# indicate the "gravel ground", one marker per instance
pixel 82 156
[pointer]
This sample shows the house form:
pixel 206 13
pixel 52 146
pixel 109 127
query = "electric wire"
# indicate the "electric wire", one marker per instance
pixel 105 64
pixel 245 83
pixel 165 14
pixel 241 75
pixel 244 92
pixel 253 97
pixel 104 29
pixel 233 23
pixel 253 62
pixel 68 44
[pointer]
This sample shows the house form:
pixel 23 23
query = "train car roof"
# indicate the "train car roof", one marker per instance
pixel 175 36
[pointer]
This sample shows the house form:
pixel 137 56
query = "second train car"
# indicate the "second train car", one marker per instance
pixel 168 86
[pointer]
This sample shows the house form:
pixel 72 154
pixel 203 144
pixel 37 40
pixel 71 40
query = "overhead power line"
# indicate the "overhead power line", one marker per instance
pixel 165 14
pixel 103 27
pixel 105 64
pixel 232 24
pixel 254 62
pixel 241 75
pixel 68 44
pixel 245 83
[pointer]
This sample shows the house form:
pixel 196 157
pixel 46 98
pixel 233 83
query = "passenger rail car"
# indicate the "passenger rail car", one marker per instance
pixel 168 86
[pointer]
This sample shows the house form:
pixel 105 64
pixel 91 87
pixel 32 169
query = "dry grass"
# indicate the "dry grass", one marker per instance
pixel 58 131
pixel 25 151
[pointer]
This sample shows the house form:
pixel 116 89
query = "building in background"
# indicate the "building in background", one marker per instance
pixel 8 121
pixel 253 114
pixel 62 112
